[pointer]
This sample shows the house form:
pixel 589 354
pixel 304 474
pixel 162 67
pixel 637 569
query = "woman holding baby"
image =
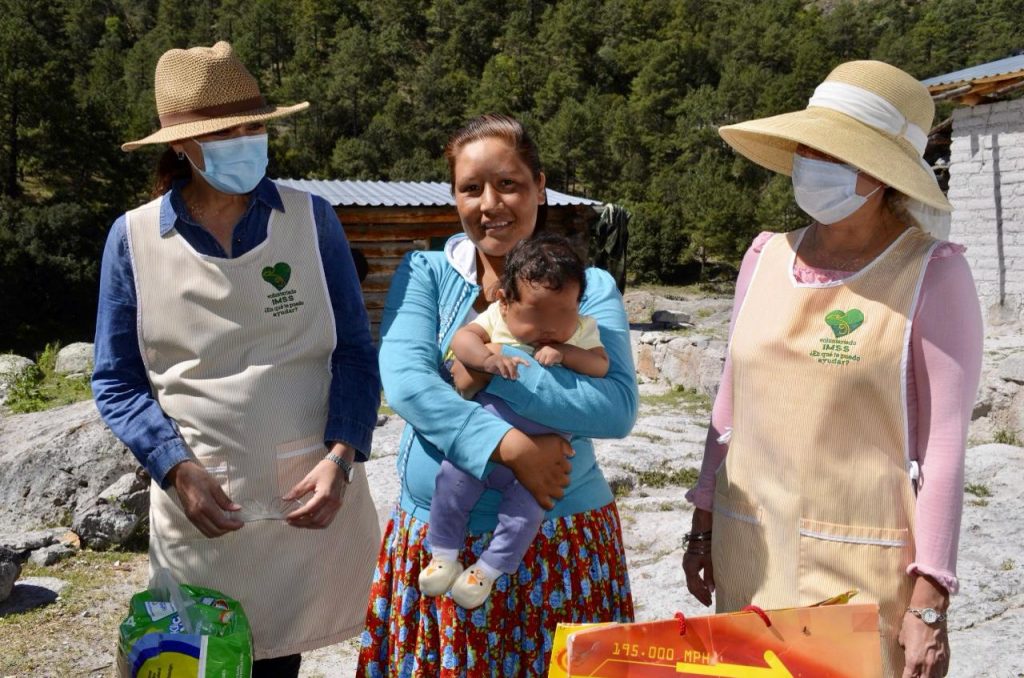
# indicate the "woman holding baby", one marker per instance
pixel 575 567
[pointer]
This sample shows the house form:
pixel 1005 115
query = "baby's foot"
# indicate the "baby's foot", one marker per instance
pixel 438 576
pixel 472 587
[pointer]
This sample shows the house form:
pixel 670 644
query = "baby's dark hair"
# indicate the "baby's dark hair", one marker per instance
pixel 546 259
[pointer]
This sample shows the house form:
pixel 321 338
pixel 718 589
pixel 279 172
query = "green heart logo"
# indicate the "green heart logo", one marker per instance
pixel 278 275
pixel 844 322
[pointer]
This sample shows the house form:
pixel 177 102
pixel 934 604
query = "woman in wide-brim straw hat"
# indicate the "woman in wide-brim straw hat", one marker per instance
pixel 234 358
pixel 834 458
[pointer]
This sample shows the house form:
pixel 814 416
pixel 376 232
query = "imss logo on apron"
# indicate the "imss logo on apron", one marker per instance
pixel 837 350
pixel 282 302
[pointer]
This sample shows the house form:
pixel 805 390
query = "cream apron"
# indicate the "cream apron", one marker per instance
pixel 814 497
pixel 238 354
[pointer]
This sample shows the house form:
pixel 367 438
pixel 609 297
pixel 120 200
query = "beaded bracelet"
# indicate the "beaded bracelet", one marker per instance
pixel 698 536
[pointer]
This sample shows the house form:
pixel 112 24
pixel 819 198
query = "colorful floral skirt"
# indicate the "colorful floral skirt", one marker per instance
pixel 575 571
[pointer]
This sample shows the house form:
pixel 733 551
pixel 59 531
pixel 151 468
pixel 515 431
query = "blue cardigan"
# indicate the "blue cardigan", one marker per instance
pixel 428 300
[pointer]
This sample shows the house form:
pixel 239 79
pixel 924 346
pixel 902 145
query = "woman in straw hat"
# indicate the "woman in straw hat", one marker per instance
pixel 854 359
pixel 234 358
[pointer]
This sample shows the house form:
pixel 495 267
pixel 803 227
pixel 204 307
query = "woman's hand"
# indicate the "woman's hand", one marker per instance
pixel 540 463
pixel 926 646
pixel 327 483
pixel 203 500
pixel 697 566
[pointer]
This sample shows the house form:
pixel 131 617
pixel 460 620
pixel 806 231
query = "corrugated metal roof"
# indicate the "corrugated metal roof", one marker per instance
pixel 344 193
pixel 1014 64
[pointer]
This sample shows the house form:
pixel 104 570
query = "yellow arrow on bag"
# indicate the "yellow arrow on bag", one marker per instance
pixel 775 669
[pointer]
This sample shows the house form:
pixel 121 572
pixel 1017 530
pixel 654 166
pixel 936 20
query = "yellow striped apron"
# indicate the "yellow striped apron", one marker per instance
pixel 814 496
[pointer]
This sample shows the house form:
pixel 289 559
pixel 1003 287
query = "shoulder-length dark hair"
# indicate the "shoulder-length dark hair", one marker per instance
pixel 169 168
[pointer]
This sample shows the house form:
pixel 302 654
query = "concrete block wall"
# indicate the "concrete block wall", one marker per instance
pixel 986 187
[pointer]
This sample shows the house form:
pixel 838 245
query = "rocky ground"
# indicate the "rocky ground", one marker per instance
pixel 74 634
pixel 986 619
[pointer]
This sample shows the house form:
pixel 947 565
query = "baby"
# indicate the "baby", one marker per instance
pixel 537 311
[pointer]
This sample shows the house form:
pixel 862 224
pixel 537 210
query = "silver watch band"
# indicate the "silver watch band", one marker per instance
pixel 345 466
pixel 927 614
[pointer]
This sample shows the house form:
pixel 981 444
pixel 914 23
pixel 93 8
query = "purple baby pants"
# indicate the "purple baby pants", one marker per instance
pixel 519 514
pixel 456 493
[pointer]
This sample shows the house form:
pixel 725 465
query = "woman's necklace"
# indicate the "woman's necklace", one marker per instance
pixel 214 215
pixel 197 212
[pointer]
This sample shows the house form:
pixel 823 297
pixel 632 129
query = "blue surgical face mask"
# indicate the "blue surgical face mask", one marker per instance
pixel 234 165
pixel 827 191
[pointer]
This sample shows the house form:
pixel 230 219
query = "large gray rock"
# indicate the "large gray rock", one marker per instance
pixel 32 592
pixel 692 362
pixel 10 569
pixel 1012 368
pixel 51 555
pixel 11 369
pixel 116 513
pixel 25 542
pixel 670 319
pixel 1015 420
pixel 53 462
pixel 985 617
pixel 998 406
pixel 74 359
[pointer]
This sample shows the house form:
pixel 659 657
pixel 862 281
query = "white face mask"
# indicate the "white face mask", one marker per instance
pixel 826 190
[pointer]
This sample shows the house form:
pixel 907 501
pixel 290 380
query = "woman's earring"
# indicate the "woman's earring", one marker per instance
pixel 181 155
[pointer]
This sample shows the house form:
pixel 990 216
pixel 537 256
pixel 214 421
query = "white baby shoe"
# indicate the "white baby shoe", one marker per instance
pixel 472 587
pixel 437 577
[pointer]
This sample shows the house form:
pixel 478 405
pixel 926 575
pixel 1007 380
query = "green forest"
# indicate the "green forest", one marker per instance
pixel 623 96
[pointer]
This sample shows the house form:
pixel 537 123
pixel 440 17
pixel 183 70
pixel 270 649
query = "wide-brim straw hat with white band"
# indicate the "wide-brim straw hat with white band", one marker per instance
pixel 203 90
pixel 866 113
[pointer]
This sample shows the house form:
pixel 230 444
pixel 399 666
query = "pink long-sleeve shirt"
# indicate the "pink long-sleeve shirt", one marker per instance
pixel 943 370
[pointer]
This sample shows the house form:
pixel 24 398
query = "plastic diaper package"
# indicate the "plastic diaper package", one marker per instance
pixel 183 631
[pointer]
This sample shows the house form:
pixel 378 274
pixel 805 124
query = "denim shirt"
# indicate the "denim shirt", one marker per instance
pixel 120 382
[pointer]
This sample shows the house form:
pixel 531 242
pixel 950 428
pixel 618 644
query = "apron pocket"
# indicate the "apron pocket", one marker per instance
pixel 738 551
pixel 295 460
pixel 167 517
pixel 836 558
pixel 219 468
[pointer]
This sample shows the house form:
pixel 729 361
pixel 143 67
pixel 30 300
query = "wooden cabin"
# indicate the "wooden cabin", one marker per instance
pixel 386 219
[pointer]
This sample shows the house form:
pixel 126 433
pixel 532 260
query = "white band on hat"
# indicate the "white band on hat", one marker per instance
pixel 870 109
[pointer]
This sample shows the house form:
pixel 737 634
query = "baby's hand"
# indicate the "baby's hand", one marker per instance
pixel 503 366
pixel 468 382
pixel 548 356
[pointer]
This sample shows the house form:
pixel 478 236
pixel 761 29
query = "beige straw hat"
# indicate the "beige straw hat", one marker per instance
pixel 203 90
pixel 866 113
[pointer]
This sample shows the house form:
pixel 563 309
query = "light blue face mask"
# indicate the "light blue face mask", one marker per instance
pixel 234 165
pixel 827 191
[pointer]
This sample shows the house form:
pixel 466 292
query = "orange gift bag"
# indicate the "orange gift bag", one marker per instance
pixel 828 640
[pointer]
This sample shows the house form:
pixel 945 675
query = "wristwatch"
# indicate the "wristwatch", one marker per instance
pixel 348 469
pixel 927 614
